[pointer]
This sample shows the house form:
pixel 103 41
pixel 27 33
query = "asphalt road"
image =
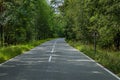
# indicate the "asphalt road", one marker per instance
pixel 54 60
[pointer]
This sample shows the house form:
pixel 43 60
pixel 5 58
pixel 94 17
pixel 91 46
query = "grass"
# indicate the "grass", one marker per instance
pixel 9 52
pixel 108 58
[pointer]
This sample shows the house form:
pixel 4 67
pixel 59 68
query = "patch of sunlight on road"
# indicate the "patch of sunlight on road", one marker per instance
pixel 3 74
pixel 81 60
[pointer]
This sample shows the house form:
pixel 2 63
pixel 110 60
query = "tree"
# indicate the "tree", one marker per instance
pixel 25 20
pixel 86 16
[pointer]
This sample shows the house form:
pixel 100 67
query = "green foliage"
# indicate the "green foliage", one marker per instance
pixel 83 17
pixel 25 20
pixel 11 51
pixel 109 59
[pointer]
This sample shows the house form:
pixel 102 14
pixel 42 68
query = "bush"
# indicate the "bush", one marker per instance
pixel 2 59
pixel 109 59
pixel 11 51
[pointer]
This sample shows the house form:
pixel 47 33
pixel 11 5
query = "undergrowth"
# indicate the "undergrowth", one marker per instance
pixel 9 52
pixel 108 58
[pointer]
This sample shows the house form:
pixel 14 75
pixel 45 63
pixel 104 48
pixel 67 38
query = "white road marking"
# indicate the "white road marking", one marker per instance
pixel 52 51
pixel 53 48
pixel 101 66
pixel 50 58
pixel 108 71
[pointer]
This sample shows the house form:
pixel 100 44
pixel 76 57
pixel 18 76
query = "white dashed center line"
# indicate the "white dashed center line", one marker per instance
pixel 50 58
pixel 52 51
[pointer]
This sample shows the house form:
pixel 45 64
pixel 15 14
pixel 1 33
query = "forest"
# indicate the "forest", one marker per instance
pixel 28 20
pixel 86 19
pixel 23 21
pixel 79 21
pixel 93 27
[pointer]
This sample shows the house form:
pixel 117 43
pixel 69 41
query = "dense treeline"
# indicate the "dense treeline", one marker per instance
pixel 88 18
pixel 25 20
pixel 28 20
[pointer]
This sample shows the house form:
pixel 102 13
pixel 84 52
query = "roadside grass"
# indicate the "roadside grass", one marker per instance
pixel 9 52
pixel 107 58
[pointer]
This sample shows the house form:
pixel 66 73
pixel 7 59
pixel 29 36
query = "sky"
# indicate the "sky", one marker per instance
pixel 56 6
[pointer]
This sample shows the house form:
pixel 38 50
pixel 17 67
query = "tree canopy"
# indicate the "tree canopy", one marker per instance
pixel 86 17
pixel 26 20
pixel 29 20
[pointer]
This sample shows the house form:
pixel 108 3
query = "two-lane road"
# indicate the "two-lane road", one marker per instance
pixel 54 60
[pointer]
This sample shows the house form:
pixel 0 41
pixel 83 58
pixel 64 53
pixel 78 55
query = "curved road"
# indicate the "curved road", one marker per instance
pixel 54 60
